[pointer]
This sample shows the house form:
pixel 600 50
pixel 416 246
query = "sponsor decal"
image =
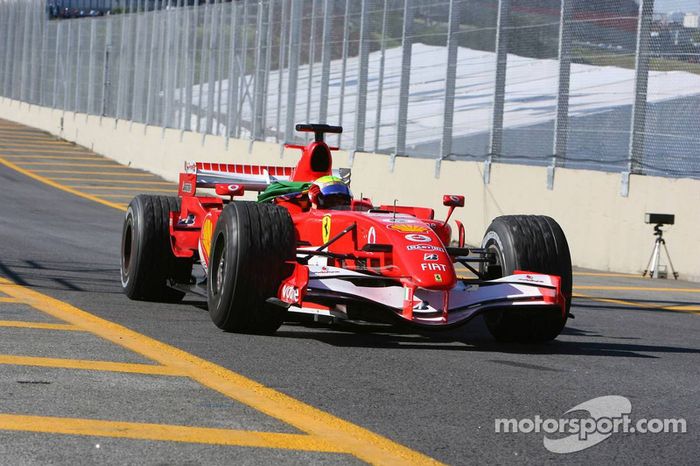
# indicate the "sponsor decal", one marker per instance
pixel 326 228
pixel 371 236
pixel 407 228
pixel 290 294
pixel 438 277
pixel 433 266
pixel 186 221
pixel 531 279
pixel 205 237
pixel 424 247
pixel 418 238
pixel 190 167
pixel 187 187
pixel 430 257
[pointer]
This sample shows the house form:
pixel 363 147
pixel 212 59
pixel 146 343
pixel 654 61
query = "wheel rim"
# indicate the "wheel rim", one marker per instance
pixel 218 265
pixel 127 245
pixel 220 269
pixel 494 270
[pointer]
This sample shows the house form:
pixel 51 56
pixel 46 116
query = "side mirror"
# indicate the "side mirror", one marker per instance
pixel 450 200
pixel 229 189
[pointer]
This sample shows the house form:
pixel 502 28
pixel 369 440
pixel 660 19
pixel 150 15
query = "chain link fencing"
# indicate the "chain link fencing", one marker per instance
pixel 604 85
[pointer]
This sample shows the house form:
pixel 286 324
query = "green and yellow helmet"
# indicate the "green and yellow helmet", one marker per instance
pixel 330 191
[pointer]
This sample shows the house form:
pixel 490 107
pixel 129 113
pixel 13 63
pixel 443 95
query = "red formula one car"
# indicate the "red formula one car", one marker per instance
pixel 307 246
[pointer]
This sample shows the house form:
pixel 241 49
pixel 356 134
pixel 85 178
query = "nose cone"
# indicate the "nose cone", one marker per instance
pixel 421 255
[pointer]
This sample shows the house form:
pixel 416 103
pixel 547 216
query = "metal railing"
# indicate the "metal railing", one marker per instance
pixel 605 85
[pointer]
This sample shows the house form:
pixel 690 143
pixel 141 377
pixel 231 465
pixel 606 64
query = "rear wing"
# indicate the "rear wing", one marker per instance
pixel 249 177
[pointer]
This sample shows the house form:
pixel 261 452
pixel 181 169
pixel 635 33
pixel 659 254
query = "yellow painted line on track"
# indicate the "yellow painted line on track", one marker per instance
pixel 164 432
pixel 691 309
pixel 51 157
pixel 125 196
pixel 43 148
pixel 105 173
pixel 326 428
pixel 126 188
pixel 107 164
pixel 38 325
pixel 636 288
pixel 104 180
pixel 19 140
pixel 7 299
pixel 85 364
pixel 605 274
pixel 47 181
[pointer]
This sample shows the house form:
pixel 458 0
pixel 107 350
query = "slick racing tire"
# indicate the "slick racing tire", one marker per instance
pixel 251 247
pixel 147 260
pixel 532 243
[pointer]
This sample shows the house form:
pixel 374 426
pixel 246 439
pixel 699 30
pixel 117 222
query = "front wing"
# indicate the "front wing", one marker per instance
pixel 324 290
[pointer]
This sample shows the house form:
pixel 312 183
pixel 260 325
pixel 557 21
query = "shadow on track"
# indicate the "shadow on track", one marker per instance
pixel 90 277
pixel 472 338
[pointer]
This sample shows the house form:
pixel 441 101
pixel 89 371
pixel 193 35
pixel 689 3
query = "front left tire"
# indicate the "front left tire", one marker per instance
pixel 251 253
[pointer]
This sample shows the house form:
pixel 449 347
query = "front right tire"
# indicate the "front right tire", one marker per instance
pixel 147 260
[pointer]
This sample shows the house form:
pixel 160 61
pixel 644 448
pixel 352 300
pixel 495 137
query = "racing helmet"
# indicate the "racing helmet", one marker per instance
pixel 329 192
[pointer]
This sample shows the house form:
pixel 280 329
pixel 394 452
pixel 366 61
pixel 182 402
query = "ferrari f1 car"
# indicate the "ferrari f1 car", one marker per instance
pixel 306 246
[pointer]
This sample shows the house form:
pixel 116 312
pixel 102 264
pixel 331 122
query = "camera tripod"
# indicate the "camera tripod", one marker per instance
pixel 655 259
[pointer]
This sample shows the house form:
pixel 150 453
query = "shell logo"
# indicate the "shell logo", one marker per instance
pixel 205 238
pixel 407 228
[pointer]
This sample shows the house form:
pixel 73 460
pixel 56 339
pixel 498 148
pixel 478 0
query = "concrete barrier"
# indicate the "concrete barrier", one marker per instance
pixel 605 231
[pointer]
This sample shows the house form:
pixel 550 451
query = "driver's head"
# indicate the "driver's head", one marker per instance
pixel 330 192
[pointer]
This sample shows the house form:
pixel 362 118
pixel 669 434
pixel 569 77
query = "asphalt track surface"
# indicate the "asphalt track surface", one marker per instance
pixel 88 376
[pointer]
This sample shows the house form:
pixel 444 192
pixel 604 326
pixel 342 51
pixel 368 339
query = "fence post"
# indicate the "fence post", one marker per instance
pixel 361 102
pixel 271 14
pixel 66 70
pixel 259 83
pixel 407 48
pixel 496 144
pixel 380 83
pixel 561 122
pixel 139 63
pixel 294 51
pixel 78 66
pixel 24 69
pixel 233 75
pixel 91 73
pixel 450 78
pixel 168 91
pixel 344 66
pixel 106 84
pixel 326 49
pixel 282 57
pixel 151 57
pixel 54 97
pixel 639 107
pixel 192 22
pixel 43 72
pixel 312 58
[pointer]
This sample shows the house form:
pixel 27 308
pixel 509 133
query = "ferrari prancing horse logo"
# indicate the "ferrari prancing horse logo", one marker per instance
pixel 326 228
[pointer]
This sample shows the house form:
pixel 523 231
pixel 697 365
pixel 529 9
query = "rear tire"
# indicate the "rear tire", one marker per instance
pixel 531 243
pixel 147 260
pixel 250 248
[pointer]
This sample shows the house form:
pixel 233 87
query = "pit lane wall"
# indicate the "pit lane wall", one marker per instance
pixel 605 230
